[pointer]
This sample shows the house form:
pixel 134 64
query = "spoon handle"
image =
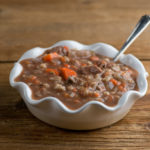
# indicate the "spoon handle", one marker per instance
pixel 139 28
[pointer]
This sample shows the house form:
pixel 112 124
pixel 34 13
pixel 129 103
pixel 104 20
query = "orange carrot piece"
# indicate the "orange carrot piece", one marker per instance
pixel 36 81
pixel 54 71
pixel 115 82
pixel 96 95
pixel 121 88
pixel 74 67
pixel 76 101
pixel 50 56
pixel 66 73
pixel 66 48
pixel 94 58
pixel 66 65
pixel 33 78
pixel 62 59
pixel 106 73
pixel 84 64
pixel 66 95
pixel 123 73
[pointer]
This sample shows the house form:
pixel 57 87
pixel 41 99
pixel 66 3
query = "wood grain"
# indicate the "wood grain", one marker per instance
pixel 24 26
pixel 29 23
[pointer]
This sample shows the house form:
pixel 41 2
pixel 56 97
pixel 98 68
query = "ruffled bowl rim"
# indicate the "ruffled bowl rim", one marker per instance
pixel 31 54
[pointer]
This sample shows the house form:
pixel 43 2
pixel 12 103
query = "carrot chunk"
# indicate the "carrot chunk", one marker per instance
pixel 33 77
pixel 66 73
pixel 76 101
pixel 96 95
pixel 66 48
pixel 36 81
pixel 62 59
pixel 107 73
pixel 94 58
pixel 66 65
pixel 83 64
pixel 50 57
pixel 54 71
pixel 115 82
pixel 121 87
pixel 66 95
pixel 73 67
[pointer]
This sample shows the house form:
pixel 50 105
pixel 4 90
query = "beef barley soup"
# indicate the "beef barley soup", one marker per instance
pixel 77 77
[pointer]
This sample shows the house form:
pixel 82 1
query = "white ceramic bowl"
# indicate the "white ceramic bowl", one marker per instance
pixel 93 114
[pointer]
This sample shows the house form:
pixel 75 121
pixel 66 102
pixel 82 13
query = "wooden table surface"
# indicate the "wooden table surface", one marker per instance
pixel 25 24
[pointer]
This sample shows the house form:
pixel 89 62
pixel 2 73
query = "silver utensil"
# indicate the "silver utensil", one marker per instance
pixel 139 28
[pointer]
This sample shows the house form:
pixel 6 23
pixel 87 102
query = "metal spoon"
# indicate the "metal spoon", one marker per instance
pixel 139 28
